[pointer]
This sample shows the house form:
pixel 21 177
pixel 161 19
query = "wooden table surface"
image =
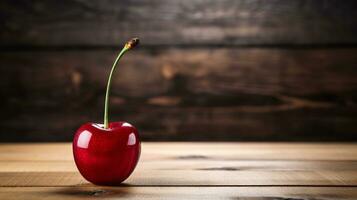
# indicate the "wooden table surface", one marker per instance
pixel 189 171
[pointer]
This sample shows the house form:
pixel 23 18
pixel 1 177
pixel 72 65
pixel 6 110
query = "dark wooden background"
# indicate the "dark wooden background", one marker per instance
pixel 205 70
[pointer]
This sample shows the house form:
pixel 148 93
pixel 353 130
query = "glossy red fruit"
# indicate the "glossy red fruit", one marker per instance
pixel 106 156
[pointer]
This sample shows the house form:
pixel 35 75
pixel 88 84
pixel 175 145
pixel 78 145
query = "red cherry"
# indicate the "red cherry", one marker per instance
pixel 106 156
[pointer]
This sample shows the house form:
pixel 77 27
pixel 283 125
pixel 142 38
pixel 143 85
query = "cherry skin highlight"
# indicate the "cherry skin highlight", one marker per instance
pixel 106 156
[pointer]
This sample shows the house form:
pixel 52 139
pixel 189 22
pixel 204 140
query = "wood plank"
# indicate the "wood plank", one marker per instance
pixel 186 22
pixel 172 164
pixel 261 71
pixel 193 151
pixel 182 164
pixel 199 94
pixel 239 193
pixel 190 178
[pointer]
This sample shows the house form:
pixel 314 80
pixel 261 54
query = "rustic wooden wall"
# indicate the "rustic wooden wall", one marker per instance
pixel 205 70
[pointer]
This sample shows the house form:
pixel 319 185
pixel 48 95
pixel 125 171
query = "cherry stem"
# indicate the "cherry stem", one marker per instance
pixel 132 43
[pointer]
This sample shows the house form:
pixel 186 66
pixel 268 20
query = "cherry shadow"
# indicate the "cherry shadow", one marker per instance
pixel 90 190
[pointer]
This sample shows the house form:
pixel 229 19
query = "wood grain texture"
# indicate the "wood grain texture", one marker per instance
pixel 209 70
pixel 162 22
pixel 247 171
pixel 173 178
pixel 236 193
pixel 190 164
pixel 194 164
pixel 195 151
pixel 198 94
